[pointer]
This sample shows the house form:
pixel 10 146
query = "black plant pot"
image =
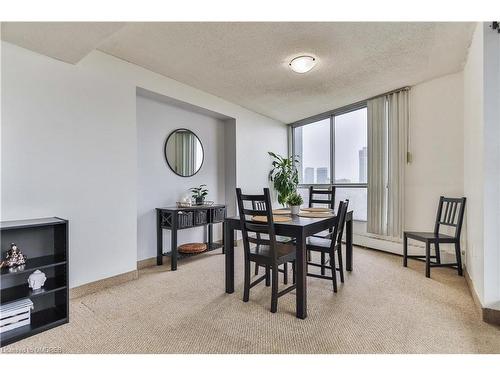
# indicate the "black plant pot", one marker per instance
pixel 200 200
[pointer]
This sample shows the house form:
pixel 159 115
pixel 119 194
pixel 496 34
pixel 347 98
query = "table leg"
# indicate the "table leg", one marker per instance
pixel 210 236
pixel 173 246
pixel 159 240
pixel 229 255
pixel 223 234
pixel 348 244
pixel 300 279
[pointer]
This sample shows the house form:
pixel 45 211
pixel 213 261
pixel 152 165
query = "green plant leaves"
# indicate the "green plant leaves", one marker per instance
pixel 284 176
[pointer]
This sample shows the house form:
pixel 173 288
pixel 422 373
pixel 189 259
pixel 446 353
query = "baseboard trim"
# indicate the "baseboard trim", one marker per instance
pixel 472 291
pixel 99 285
pixel 487 314
pixel 150 262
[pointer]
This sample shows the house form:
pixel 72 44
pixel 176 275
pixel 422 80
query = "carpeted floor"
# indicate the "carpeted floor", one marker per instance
pixel 381 308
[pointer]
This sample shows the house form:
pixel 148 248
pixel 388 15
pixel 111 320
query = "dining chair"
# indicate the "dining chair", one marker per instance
pixel 268 252
pixel 329 246
pixel 326 197
pixel 329 200
pixel 450 213
pixel 260 205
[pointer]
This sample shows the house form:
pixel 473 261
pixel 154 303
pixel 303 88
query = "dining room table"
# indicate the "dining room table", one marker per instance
pixel 299 228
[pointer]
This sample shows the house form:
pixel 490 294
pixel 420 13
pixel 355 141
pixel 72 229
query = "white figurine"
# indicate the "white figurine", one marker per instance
pixel 36 280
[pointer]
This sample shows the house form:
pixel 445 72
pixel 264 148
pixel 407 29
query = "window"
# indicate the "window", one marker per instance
pixel 335 149
pixel 351 156
pixel 313 149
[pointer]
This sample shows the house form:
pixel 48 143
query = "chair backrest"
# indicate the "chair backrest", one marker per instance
pixel 337 230
pixel 260 206
pixel 342 214
pixel 450 213
pixel 327 196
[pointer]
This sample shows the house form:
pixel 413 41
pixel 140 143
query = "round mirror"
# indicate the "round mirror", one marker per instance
pixel 184 152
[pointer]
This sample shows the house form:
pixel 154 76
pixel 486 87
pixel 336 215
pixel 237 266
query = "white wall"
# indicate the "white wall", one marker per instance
pixel 157 185
pixel 482 166
pixel 491 167
pixel 436 144
pixel 69 142
pixel 473 160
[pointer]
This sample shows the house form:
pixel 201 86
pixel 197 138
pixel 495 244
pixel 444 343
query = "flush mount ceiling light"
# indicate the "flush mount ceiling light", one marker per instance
pixel 302 64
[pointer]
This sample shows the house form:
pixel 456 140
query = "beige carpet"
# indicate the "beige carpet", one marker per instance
pixel 381 308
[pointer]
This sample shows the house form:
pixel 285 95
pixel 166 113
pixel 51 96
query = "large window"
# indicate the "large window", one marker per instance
pixel 334 149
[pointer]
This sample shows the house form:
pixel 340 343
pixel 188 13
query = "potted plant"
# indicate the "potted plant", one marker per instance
pixel 199 193
pixel 284 176
pixel 294 200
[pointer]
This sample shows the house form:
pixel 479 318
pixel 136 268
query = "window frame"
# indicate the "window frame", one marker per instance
pixel 323 116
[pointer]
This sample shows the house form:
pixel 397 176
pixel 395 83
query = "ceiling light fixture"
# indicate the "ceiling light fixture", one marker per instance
pixel 302 64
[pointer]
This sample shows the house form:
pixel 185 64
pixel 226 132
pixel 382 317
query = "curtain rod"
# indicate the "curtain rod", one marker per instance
pixel 343 109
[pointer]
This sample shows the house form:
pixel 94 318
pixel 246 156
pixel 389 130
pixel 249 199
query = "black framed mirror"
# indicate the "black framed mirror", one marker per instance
pixel 184 152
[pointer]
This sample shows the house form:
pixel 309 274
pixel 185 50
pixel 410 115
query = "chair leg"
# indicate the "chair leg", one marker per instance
pixel 427 259
pixel 246 288
pixel 293 272
pixel 459 257
pixel 341 264
pixel 333 268
pixel 274 287
pixel 256 268
pixel 285 273
pixel 268 276
pixel 438 253
pixel 405 251
pixel 323 268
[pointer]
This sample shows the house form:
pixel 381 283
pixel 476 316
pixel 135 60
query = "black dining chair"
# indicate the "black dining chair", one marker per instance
pixel 268 251
pixel 330 246
pixel 329 200
pixel 324 197
pixel 262 206
pixel 450 213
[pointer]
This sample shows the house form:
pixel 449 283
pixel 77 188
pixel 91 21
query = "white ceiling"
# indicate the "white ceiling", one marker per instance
pixel 66 41
pixel 247 63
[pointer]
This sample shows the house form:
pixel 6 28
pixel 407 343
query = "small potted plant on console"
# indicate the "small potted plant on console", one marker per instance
pixel 199 194
pixel 294 200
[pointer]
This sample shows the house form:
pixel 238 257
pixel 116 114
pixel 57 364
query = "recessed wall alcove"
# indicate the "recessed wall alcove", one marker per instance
pixel 158 186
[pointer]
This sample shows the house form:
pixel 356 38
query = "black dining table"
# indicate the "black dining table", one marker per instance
pixel 299 228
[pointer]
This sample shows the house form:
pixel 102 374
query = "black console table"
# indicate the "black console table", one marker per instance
pixel 175 218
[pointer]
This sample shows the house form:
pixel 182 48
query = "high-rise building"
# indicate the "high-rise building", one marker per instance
pixel 309 175
pixel 363 164
pixel 322 175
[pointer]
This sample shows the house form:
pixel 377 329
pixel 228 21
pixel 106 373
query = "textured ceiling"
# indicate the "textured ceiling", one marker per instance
pixel 66 41
pixel 247 63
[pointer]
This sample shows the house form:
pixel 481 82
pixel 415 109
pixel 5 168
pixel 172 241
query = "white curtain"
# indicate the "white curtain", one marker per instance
pixel 388 120
pixel 377 166
pixel 398 119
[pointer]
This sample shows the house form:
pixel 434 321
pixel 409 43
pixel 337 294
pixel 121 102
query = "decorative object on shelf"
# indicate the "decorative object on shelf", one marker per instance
pixel 294 200
pixel 14 256
pixel 192 248
pixel 36 280
pixel 184 204
pixel 199 193
pixel 15 314
pixel 284 176
pixel 184 152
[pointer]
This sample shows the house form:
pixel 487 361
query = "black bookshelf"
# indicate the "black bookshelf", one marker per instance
pixel 45 243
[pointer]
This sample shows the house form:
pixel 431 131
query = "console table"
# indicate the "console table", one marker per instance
pixel 176 218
